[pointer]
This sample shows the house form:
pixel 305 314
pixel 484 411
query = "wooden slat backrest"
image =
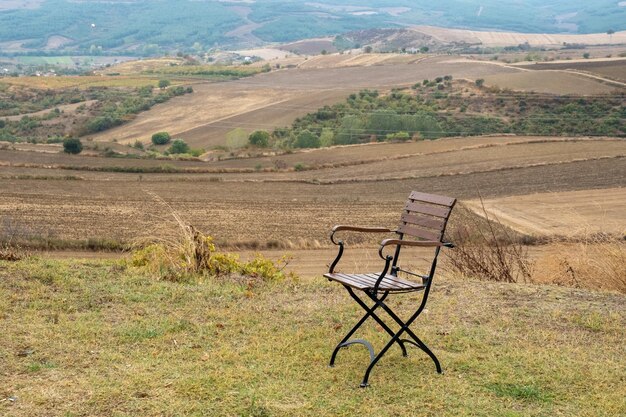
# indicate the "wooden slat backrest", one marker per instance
pixel 425 216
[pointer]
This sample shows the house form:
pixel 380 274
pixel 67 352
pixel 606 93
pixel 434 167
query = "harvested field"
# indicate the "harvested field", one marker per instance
pixel 571 213
pixel 610 68
pixel 277 98
pixel 552 82
pixel 287 213
pixel 487 38
pixel 81 81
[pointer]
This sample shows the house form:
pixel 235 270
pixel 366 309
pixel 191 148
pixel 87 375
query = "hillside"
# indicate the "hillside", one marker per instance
pixel 143 27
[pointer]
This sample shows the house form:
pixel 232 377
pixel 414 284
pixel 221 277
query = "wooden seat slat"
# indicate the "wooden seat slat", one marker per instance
pixel 387 282
pixel 393 280
pixel 367 281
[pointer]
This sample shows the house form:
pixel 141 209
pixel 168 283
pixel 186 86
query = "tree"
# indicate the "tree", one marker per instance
pixel 236 138
pixel 610 32
pixel 586 55
pixel 367 49
pixel 327 137
pixel 161 138
pixel 164 83
pixel 307 139
pixel 480 82
pixel 72 145
pixel 424 49
pixel 259 138
pixel 179 146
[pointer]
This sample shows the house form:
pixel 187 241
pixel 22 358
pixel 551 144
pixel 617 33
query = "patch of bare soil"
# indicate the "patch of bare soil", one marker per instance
pixel 569 213
pixel 310 46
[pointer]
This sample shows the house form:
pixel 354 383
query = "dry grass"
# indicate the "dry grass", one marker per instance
pixel 82 81
pixel 595 262
pixel 94 338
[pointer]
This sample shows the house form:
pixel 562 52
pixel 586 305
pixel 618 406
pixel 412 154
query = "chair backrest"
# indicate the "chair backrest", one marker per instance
pixel 425 216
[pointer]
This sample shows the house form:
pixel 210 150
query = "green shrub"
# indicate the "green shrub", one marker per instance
pixel 307 139
pixel 178 146
pixel 72 145
pixel 161 138
pixel 259 138
pixel 164 83
pixel 399 136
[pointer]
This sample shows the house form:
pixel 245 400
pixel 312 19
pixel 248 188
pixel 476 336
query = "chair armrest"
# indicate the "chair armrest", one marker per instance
pixel 340 227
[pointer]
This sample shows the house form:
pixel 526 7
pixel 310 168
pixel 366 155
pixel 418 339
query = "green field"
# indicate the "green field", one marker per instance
pixel 48 60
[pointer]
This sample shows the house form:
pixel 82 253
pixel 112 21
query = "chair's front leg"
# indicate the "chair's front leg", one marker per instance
pixel 369 312
pixel 379 302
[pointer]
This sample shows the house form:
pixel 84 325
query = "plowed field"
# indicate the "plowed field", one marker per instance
pixel 361 185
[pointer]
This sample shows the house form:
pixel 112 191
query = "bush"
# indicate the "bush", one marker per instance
pixel 486 249
pixel 161 138
pixel 179 146
pixel 193 253
pixel 307 139
pixel 399 136
pixel 259 138
pixel 164 83
pixel 72 145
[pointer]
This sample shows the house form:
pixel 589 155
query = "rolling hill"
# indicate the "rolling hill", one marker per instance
pixel 144 27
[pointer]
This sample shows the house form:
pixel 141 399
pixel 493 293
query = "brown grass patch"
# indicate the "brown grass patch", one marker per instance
pixel 595 262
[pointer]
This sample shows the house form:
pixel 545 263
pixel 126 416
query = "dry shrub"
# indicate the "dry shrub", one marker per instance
pixel 486 249
pixel 182 252
pixel 11 253
pixel 595 261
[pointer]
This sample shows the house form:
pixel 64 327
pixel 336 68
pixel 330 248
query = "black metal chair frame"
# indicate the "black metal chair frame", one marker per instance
pixel 387 281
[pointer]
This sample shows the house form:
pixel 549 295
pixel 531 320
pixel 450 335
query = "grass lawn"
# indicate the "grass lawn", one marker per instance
pixel 95 338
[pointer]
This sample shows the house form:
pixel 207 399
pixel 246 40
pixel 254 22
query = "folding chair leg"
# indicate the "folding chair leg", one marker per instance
pixel 369 312
pixel 416 340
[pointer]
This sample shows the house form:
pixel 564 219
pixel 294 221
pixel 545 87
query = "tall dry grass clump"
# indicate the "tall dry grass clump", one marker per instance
pixel 595 261
pixel 486 249
pixel 180 252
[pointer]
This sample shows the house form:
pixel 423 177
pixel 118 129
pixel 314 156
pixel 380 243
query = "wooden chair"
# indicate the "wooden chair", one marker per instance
pixel 423 219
